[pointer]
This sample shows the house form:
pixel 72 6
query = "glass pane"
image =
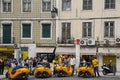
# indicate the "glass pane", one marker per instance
pixel 106 34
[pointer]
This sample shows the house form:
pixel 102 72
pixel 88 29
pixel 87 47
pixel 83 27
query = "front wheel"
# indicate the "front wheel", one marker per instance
pixel 80 74
pixel 104 72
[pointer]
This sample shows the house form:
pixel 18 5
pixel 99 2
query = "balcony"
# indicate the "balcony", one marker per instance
pixel 65 42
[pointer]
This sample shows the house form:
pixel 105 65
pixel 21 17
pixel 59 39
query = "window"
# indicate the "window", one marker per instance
pixel 26 30
pixel 109 29
pixel 46 5
pixel 87 29
pixel 66 5
pixel 26 5
pixel 66 31
pixel 6 5
pixel 87 4
pixel 46 30
pixel 109 4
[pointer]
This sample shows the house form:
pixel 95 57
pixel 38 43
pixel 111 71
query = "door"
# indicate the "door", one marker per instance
pixel 6 33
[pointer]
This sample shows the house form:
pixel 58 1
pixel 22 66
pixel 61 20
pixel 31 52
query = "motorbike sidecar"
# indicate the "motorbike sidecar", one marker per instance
pixel 85 71
pixel 63 71
pixel 43 71
pixel 19 74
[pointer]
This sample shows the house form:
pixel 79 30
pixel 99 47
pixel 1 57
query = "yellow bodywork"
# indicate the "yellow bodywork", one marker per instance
pixel 43 69
pixel 66 69
pixel 18 72
pixel 86 69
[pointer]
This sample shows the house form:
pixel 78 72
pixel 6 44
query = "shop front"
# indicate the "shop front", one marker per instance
pixel 87 53
pixel 48 52
pixel 6 52
pixel 109 54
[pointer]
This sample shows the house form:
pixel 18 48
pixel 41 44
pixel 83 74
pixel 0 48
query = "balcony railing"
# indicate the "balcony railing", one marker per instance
pixel 65 41
pixel 12 41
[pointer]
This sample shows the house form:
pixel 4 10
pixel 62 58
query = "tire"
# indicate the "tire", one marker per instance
pixel 88 75
pixel 80 74
pixel 104 72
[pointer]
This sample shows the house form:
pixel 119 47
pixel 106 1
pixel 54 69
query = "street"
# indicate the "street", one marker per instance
pixel 107 77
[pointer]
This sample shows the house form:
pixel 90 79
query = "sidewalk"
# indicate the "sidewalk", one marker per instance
pixel 111 74
pixel 3 76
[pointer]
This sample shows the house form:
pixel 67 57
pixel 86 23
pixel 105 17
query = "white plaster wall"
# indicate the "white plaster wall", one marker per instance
pixel 118 64
pixel 31 49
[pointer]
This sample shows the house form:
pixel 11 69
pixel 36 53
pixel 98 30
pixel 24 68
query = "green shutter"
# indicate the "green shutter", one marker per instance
pixel 26 30
pixel 6 33
pixel 46 31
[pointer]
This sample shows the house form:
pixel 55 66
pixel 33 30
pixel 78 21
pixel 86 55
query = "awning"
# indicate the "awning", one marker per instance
pixel 65 50
pixel 45 50
pixel 88 51
pixel 109 51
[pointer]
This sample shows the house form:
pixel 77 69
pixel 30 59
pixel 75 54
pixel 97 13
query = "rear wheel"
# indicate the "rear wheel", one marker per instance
pixel 87 74
pixel 104 72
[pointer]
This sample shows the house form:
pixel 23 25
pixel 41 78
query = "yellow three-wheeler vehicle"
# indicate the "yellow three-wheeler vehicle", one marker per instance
pixel 63 70
pixel 85 71
pixel 43 70
pixel 19 74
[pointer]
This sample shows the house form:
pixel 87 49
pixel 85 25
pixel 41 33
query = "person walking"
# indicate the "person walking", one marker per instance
pixel 95 66
pixel 72 63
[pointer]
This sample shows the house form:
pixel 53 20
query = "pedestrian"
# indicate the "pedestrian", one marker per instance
pixel 72 63
pixel 0 66
pixel 95 66
pixel 2 70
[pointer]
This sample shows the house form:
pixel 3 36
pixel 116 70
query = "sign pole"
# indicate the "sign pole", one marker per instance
pixel 77 53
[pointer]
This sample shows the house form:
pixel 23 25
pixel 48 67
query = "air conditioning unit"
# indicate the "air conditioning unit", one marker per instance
pixel 106 41
pixel 83 42
pixel 91 42
pixel 117 40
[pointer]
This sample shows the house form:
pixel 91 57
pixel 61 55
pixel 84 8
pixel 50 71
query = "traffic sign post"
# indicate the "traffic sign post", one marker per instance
pixel 77 42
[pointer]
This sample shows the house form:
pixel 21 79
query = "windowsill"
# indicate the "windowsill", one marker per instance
pixel 45 38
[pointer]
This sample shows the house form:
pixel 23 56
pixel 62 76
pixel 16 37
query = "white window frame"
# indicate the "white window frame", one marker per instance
pixel 92 30
pixel 109 29
pixel 66 9
pixel 26 11
pixel 27 22
pixel 6 22
pixel 87 9
pixel 42 7
pixel 11 7
pixel 46 22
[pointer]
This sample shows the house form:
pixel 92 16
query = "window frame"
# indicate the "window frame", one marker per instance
pixel 46 22
pixel 109 4
pixel 6 11
pixel 66 9
pixel 86 29
pixel 26 22
pixel 109 29
pixel 87 5
pixel 26 11
pixel 66 25
pixel 42 7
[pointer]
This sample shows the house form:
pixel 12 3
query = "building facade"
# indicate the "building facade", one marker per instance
pixel 26 28
pixel 95 23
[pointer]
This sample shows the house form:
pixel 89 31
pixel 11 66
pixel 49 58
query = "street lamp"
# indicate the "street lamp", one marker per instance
pixel 54 12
